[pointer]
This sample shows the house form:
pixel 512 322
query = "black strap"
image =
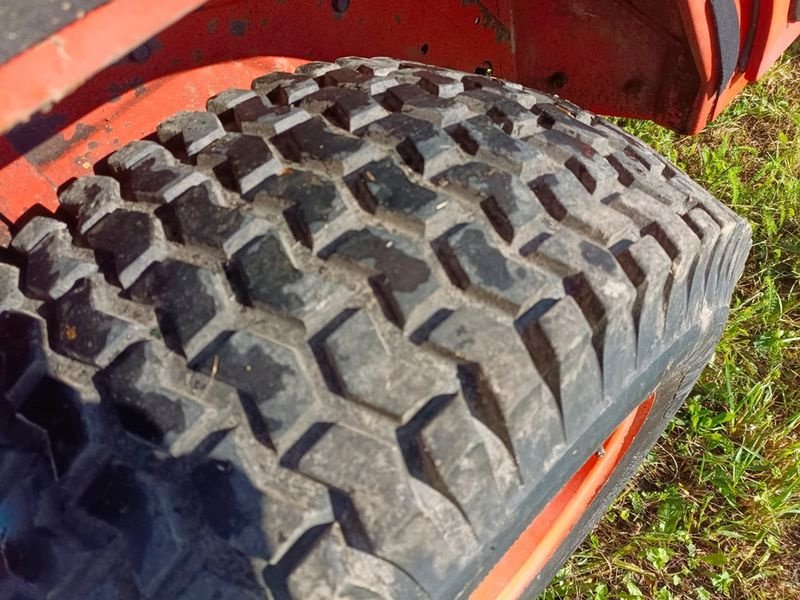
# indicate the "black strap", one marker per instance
pixel 726 19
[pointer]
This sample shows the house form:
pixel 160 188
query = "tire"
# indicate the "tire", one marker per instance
pixel 343 335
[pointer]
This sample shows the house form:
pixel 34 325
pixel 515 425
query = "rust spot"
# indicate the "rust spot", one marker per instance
pixel 70 333
pixel 238 27
pixel 140 90
pixel 212 26
pixel 56 145
pixel 490 21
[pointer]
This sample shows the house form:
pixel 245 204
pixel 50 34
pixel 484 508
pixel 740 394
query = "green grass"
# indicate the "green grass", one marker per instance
pixel 715 510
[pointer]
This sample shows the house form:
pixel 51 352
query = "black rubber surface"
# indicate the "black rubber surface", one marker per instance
pixel 728 33
pixel 339 336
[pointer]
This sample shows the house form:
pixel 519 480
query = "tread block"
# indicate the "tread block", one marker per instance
pixel 502 387
pixel 139 508
pixel 153 180
pixel 316 68
pixel 595 175
pixel 568 201
pixel 223 104
pixel 188 132
pixel 416 102
pixel 314 202
pixel 40 558
pixel 480 137
pixel 261 516
pixel 728 222
pixel 84 329
pixel 332 569
pixel 383 186
pixel 240 162
pixel 269 279
pixel 380 66
pixel 631 165
pixel 510 116
pixel 559 341
pixel 55 407
pixel 194 218
pixel 677 240
pixel 136 387
pixel 647 266
pixel 89 199
pixel 423 147
pixel 21 354
pixel 189 303
pixel 507 202
pixel 709 233
pixel 312 142
pixel 351 79
pixel 10 296
pixel 557 118
pixel 348 109
pixel 439 84
pixel 397 269
pixel 133 153
pixel 594 278
pixel 227 576
pixel 444 447
pixel 524 97
pixel 273 388
pixel 474 263
pixel 135 240
pixel 253 118
pixel 54 265
pixel 285 88
pixel 360 367
pixel 36 230
pixel 372 474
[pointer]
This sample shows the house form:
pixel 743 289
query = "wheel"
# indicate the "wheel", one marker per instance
pixel 346 334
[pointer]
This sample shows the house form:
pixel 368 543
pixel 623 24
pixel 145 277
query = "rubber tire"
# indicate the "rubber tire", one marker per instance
pixel 342 335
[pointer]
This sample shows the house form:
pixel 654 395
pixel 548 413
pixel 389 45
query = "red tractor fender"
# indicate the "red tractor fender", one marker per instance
pixel 107 78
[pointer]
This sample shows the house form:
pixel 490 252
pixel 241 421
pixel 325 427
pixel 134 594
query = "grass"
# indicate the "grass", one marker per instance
pixel 715 510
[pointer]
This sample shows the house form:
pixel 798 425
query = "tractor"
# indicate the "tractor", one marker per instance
pixel 278 321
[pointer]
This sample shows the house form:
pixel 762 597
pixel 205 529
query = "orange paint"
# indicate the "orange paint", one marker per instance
pixel 114 124
pixel 529 554
pixel 54 67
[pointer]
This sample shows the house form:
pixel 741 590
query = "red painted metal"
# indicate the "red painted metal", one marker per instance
pixel 528 555
pixel 32 179
pixel 640 58
pixel 53 68
pixel 225 44
pixel 774 33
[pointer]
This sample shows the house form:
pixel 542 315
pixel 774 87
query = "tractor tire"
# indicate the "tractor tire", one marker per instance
pixel 343 335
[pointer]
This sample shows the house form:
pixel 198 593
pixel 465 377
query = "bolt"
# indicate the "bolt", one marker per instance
pixel 340 6
pixel 485 68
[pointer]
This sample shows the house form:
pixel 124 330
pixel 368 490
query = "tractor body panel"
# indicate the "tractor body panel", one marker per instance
pixel 104 78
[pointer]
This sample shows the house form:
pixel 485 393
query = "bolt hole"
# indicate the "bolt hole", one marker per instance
pixel 557 80
pixel 340 6
pixel 424 49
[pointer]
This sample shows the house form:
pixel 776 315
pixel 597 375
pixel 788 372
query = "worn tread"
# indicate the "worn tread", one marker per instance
pixel 333 335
